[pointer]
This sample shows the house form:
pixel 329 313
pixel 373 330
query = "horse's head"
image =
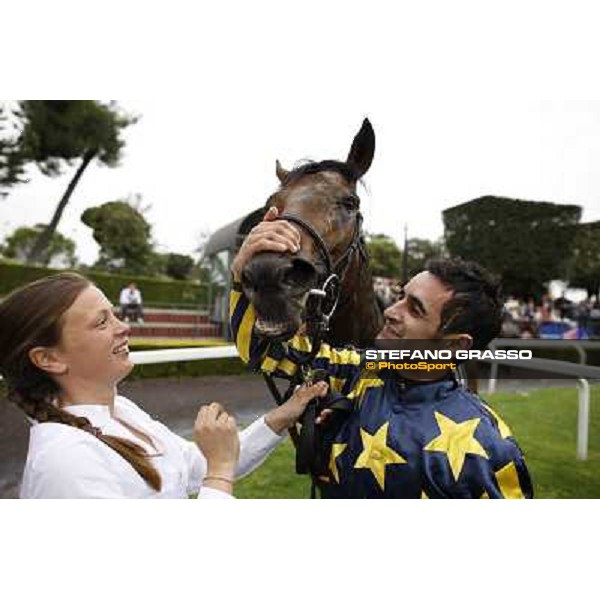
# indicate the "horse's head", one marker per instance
pixel 320 200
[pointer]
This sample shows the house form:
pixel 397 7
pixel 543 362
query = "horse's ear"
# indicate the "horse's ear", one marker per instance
pixel 362 150
pixel 281 172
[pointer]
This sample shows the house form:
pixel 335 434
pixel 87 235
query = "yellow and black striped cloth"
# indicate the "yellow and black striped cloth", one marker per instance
pixel 403 440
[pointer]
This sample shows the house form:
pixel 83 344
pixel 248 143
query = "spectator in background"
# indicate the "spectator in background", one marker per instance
pixel 529 310
pixel 546 309
pixel 583 320
pixel 130 300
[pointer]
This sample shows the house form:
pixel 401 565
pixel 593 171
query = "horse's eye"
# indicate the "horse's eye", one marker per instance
pixel 349 202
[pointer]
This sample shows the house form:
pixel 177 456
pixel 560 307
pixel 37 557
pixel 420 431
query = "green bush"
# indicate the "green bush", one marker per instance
pixel 156 292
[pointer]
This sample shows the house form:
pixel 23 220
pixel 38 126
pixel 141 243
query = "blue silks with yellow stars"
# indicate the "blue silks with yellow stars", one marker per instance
pixel 427 440
pixel 402 440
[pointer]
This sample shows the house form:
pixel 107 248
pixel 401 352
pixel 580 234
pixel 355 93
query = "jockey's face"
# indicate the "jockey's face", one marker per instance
pixel 417 313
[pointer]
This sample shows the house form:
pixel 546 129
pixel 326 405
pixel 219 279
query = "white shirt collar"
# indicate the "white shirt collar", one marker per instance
pixel 98 414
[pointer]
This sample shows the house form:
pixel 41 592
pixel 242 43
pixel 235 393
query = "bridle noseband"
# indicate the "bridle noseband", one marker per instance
pixel 322 301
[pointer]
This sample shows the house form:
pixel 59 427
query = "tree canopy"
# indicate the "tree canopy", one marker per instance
pixel 179 266
pixel 55 133
pixel 418 252
pixel 385 257
pixel 11 158
pixel 526 243
pixel 61 250
pixel 124 237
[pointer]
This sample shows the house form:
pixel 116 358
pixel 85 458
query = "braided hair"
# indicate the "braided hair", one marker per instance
pixel 32 316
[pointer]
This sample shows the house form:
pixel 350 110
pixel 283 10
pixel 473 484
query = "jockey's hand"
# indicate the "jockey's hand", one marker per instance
pixel 286 415
pixel 270 235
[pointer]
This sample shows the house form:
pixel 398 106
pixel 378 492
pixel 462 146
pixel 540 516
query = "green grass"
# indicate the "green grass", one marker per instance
pixel 543 421
pixel 545 425
pixel 276 478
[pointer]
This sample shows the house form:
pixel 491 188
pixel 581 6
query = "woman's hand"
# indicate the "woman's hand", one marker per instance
pixel 216 434
pixel 284 416
pixel 270 235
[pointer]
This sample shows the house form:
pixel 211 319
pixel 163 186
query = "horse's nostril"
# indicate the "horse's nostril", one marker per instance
pixel 272 273
pixel 300 273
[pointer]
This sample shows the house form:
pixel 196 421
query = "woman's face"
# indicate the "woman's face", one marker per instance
pixel 94 343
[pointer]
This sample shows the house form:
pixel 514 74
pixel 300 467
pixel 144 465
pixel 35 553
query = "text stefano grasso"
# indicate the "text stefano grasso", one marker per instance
pixel 378 354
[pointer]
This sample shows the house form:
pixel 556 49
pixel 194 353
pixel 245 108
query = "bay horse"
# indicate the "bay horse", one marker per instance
pixel 321 201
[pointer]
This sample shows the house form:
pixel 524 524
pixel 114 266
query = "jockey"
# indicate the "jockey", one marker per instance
pixel 404 437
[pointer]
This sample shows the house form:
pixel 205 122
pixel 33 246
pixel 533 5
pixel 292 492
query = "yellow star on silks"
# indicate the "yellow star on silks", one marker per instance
pixel 336 450
pixel 377 454
pixel 456 440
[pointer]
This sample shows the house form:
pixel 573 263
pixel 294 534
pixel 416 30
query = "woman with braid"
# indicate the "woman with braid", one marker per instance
pixel 62 354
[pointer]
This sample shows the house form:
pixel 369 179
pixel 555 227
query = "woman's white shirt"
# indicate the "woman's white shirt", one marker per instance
pixel 66 462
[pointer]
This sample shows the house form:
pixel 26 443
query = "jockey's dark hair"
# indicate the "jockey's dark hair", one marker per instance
pixel 476 304
pixel 311 167
pixel 32 316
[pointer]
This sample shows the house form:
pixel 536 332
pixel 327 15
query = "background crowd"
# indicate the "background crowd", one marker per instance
pixel 551 319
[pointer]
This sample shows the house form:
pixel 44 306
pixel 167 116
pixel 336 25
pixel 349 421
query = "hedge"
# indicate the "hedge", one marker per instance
pixel 525 242
pixel 156 292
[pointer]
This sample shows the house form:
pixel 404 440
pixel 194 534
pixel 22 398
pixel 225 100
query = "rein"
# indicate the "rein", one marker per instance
pixel 321 304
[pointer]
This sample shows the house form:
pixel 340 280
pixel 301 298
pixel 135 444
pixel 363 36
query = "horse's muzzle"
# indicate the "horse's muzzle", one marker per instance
pixel 277 286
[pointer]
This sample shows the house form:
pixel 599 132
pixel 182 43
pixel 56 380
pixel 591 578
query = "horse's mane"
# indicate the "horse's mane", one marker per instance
pixel 311 167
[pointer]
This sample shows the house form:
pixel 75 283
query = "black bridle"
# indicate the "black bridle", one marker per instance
pixel 322 301
pixel 320 306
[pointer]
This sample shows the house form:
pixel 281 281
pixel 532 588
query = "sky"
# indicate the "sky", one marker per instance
pixel 460 107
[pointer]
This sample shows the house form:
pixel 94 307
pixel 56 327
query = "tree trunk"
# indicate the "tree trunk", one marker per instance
pixel 40 248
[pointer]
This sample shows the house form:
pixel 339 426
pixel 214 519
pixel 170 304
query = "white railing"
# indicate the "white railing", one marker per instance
pixel 532 344
pixel 578 372
pixel 149 357
pixel 579 345
pixel 152 357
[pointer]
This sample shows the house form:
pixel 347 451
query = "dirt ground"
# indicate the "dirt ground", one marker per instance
pixel 174 402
